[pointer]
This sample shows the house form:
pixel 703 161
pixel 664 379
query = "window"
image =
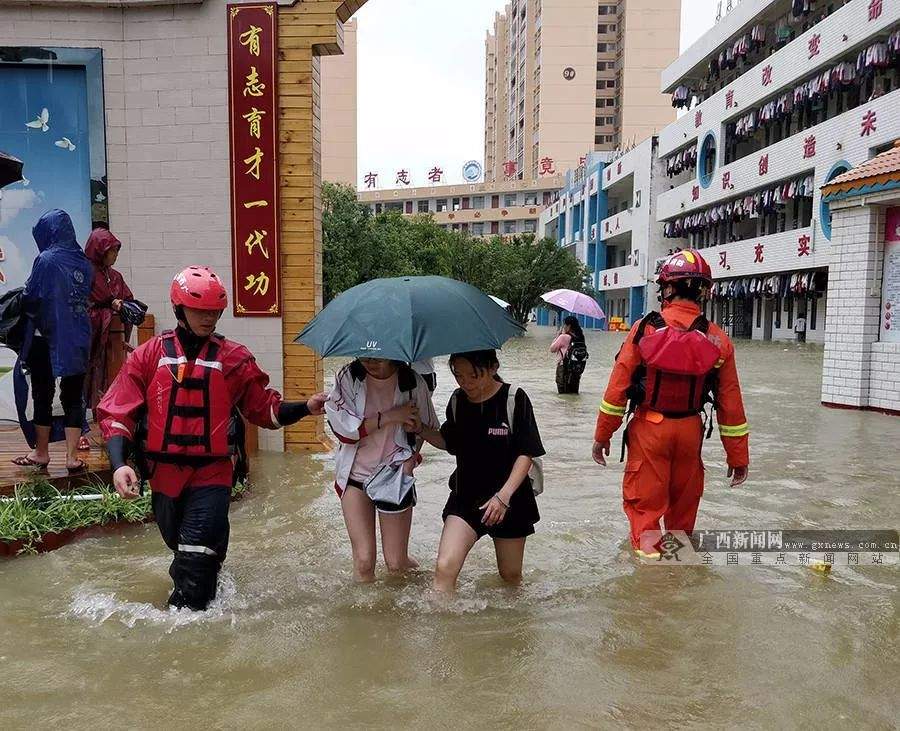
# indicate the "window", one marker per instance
pixel 394 207
pixel 531 199
pixel 610 83
pixel 423 207
pixel 478 202
pixel 839 168
pixel 603 28
pixel 603 47
pixel 707 159
pixel 612 27
pixel 610 102
pixel 478 229
pixel 510 199
pixel 509 227
pixel 456 205
pixel 441 205
pixel 530 226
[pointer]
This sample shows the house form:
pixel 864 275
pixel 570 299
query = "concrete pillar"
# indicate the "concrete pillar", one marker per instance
pixel 854 296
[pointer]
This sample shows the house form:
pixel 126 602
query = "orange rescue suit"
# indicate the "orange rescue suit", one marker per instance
pixel 664 471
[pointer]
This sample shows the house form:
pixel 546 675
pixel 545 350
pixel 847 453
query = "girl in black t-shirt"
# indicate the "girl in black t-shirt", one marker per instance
pixel 490 491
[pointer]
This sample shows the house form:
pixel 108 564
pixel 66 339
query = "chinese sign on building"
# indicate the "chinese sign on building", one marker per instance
pixel 253 117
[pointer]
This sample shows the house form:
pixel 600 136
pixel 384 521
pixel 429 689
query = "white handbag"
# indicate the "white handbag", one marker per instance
pixel 388 484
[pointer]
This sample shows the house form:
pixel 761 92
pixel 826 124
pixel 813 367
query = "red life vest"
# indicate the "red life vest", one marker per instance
pixel 677 365
pixel 188 402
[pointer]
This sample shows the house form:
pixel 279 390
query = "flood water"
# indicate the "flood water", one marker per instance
pixel 591 639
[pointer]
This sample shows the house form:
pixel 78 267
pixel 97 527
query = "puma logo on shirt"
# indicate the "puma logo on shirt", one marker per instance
pixel 501 431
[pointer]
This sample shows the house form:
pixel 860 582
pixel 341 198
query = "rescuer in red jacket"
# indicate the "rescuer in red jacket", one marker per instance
pixel 186 383
pixel 669 366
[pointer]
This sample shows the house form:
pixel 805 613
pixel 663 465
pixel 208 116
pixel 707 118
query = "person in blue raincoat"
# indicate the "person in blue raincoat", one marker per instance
pixel 57 342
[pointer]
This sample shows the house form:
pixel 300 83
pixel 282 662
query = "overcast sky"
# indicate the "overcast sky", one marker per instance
pixel 421 82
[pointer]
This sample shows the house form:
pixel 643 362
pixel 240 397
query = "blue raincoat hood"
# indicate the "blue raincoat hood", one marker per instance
pixel 55 228
pixel 56 294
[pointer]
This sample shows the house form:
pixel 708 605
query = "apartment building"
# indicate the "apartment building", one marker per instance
pixel 565 76
pixel 338 82
pixel 479 209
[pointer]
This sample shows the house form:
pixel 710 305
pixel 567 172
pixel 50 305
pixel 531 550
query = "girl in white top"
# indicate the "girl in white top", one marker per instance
pixel 374 408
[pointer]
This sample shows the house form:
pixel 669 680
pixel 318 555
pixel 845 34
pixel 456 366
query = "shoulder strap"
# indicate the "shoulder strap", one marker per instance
pixel 652 318
pixel 701 324
pixel 511 406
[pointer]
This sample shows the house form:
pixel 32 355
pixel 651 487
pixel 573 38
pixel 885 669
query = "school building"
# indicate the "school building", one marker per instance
pixel 503 208
pixel 780 98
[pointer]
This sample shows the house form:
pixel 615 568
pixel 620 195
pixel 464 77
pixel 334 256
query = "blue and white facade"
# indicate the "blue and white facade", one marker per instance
pixel 776 105
pixel 810 96
pixel 605 215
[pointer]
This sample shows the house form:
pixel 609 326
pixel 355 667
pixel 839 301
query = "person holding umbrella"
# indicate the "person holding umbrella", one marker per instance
pixel 571 356
pixel 378 403
pixel 374 409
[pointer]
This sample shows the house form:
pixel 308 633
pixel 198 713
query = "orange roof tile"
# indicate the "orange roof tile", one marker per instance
pixel 881 168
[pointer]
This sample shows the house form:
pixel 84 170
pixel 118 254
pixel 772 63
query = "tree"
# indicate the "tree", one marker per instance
pixel 525 269
pixel 359 247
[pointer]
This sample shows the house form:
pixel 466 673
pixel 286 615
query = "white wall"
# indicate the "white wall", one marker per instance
pixel 165 75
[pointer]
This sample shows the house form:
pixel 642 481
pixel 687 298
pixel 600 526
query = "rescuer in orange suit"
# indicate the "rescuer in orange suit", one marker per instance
pixel 669 366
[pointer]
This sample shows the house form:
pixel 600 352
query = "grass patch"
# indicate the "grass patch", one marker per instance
pixel 38 508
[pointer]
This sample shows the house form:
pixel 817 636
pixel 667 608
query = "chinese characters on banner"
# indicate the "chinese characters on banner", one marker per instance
pixel 253 117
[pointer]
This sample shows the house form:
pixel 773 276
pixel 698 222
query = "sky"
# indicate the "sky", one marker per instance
pixel 421 83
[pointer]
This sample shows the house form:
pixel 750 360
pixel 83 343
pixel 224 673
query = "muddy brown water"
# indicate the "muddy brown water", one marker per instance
pixel 591 639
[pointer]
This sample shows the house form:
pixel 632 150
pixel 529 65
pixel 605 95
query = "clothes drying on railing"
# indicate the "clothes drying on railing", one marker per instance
pixel 757 36
pixel 681 97
pixel 800 8
pixel 752 205
pixel 681 161
pixel 876 56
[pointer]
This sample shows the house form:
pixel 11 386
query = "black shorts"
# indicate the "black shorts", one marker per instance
pixel 382 507
pixel 510 527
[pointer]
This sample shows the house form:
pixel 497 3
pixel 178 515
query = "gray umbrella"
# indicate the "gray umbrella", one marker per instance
pixel 409 318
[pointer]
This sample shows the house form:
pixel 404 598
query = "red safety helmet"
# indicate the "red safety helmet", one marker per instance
pixel 687 264
pixel 200 288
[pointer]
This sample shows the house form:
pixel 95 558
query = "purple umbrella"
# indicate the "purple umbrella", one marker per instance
pixel 576 302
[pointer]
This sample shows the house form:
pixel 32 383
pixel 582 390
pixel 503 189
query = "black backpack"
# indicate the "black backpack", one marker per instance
pixel 576 357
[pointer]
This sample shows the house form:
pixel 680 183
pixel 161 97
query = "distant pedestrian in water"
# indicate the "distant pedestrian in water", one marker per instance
pixel 800 327
pixel 571 356
pixel 492 432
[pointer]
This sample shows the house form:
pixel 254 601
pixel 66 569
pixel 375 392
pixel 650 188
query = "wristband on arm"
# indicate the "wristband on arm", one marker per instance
pixel 118 448
pixel 290 412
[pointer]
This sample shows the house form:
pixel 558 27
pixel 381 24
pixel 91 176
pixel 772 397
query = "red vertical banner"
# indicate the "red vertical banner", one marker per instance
pixel 253 137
